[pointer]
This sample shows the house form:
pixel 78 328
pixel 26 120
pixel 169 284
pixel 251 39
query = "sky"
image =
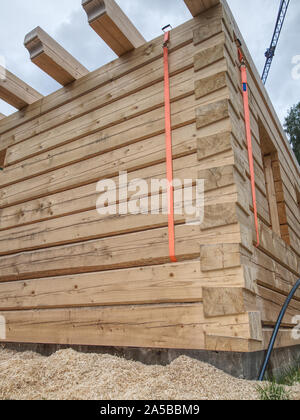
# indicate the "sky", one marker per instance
pixel 66 21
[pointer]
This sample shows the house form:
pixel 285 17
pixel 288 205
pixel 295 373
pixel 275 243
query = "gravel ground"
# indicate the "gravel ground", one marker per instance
pixel 68 375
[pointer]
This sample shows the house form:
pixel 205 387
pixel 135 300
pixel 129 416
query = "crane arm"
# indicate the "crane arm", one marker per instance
pixel 284 4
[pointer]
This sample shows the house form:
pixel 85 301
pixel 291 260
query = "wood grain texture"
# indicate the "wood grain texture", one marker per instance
pixel 112 25
pixel 222 301
pixel 91 225
pixel 2 159
pixel 88 225
pixel 284 338
pixel 137 326
pixel 16 92
pixel 69 275
pixel 272 275
pixel 84 198
pixel 180 282
pixel 270 302
pixel 113 71
pixel 125 134
pixel 271 194
pixel 52 58
pixel 77 174
pixel 138 103
pixel 265 108
pixel 131 250
pixel 199 6
pixel 232 344
pixel 210 84
pixel 169 283
pixel 220 256
pixel 105 93
pixel 157 326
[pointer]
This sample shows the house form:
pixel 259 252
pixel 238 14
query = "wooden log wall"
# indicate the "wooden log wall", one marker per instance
pixel 276 263
pixel 70 276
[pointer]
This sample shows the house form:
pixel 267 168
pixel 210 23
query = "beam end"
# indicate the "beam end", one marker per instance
pixel 16 92
pixel 112 25
pixel 199 6
pixel 52 58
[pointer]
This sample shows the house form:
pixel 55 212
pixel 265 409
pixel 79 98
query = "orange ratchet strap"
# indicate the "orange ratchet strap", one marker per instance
pixel 169 156
pixel 248 135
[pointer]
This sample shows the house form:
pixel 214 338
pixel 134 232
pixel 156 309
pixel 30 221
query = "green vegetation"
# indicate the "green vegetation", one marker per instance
pixel 290 376
pixel 292 128
pixel 273 392
pixel 275 389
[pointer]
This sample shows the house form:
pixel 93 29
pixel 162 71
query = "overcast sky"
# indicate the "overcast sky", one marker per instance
pixel 66 21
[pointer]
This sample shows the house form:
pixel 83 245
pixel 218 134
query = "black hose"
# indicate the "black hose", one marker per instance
pixel 275 333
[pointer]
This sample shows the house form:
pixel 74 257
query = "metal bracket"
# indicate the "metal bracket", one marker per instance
pixel 166 27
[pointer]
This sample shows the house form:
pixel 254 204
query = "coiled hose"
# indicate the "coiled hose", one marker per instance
pixel 276 330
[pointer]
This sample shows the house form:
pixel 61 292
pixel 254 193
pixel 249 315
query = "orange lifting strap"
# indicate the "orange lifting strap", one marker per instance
pixel 249 136
pixel 169 156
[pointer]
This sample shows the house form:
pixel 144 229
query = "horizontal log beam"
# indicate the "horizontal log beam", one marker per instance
pixel 182 85
pixel 168 283
pixel 16 92
pixel 181 326
pixel 136 249
pixel 52 58
pixel 112 25
pixel 199 6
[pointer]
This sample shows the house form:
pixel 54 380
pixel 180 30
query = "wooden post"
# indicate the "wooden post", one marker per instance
pixel 271 193
pixel 16 92
pixel 112 25
pixel 52 58
pixel 199 6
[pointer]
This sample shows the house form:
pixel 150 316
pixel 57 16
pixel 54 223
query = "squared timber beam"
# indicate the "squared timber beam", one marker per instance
pixel 112 25
pixel 16 92
pixel 199 6
pixel 52 58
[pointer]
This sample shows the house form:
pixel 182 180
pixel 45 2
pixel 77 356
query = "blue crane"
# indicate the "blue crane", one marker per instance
pixel 284 4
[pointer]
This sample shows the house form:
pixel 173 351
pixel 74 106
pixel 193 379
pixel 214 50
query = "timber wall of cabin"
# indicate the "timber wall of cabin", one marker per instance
pixel 69 276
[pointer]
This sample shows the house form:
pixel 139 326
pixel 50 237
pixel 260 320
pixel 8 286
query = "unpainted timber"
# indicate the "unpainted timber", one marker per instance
pixel 199 6
pixel 71 275
pixel 52 58
pixel 16 92
pixel 112 25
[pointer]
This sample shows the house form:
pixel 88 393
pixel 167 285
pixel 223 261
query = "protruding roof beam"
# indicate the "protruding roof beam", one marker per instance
pixel 198 6
pixel 52 58
pixel 112 25
pixel 16 92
